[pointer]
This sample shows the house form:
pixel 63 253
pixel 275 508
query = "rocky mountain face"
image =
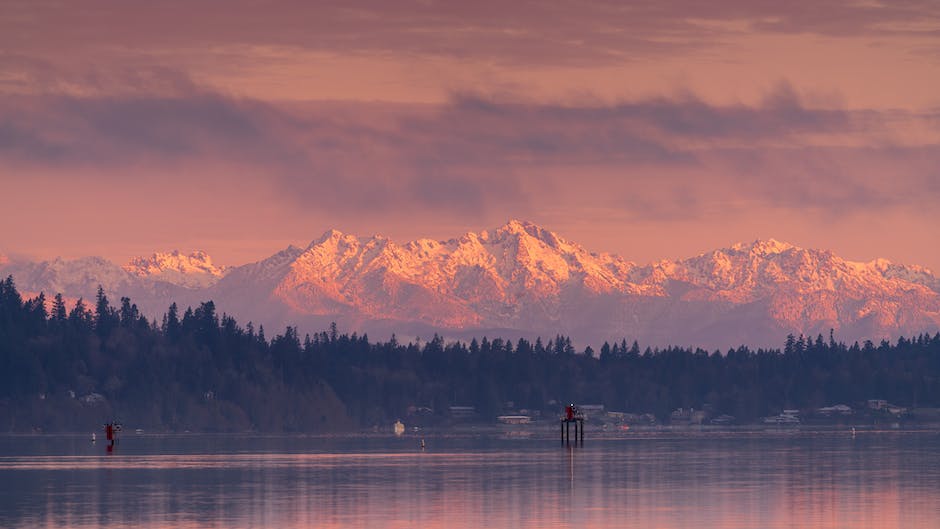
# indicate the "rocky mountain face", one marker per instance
pixel 521 279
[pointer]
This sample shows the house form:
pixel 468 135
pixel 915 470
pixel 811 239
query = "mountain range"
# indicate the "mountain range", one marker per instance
pixel 523 280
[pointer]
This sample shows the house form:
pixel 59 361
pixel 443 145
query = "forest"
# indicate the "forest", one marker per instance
pixel 197 370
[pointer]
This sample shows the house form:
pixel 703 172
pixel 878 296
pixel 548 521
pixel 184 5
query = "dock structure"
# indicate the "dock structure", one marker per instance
pixel 572 416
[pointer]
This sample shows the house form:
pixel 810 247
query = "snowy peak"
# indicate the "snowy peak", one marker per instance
pixel 747 270
pixel 763 247
pixel 801 287
pixel 195 270
pixel 328 236
pixel 520 230
pixel 478 277
pixel 72 277
pixel 911 273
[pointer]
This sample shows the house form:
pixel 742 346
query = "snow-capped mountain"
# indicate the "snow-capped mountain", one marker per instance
pixel 194 270
pixel 520 279
pixel 513 273
pixel 80 278
pixel 806 291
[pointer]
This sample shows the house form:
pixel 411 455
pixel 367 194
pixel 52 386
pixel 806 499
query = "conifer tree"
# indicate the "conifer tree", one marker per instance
pixel 59 314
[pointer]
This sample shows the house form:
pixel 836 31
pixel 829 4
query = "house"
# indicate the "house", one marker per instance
pixel 514 419
pixel 591 410
pixel 787 417
pixel 895 410
pixel 838 409
pixel 723 420
pixel 462 412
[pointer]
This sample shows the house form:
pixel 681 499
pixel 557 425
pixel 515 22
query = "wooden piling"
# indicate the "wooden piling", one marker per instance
pixel 578 430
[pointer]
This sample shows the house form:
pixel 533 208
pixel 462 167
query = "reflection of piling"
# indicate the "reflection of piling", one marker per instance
pixel 578 430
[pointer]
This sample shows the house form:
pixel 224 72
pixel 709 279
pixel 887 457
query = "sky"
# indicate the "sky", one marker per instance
pixel 652 130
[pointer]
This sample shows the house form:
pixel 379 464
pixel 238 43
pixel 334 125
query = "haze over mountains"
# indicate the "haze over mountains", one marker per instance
pixel 520 279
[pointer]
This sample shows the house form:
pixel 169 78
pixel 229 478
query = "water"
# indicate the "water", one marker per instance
pixel 693 480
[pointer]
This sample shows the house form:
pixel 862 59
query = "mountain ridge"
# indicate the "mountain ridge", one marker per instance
pixel 522 278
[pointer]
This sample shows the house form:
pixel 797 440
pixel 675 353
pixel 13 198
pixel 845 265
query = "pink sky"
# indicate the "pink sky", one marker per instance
pixel 651 131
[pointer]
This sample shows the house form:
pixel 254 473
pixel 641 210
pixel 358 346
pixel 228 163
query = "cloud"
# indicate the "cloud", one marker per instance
pixel 661 158
pixel 781 115
pixel 114 131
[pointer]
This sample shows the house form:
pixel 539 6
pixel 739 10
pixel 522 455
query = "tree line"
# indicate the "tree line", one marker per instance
pixel 70 370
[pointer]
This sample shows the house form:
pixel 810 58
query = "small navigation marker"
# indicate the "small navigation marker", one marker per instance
pixel 575 416
pixel 422 444
pixel 111 430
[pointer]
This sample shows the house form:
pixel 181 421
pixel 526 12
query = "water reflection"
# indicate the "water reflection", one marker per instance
pixel 805 480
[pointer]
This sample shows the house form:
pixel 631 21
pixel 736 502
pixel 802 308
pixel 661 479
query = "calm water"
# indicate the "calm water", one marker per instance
pixel 760 480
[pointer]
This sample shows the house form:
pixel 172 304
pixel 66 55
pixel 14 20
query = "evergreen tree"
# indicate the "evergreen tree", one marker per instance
pixel 59 314
pixel 105 318
pixel 80 317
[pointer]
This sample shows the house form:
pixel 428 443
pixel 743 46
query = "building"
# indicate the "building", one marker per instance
pixel 591 410
pixel 838 409
pixel 514 419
